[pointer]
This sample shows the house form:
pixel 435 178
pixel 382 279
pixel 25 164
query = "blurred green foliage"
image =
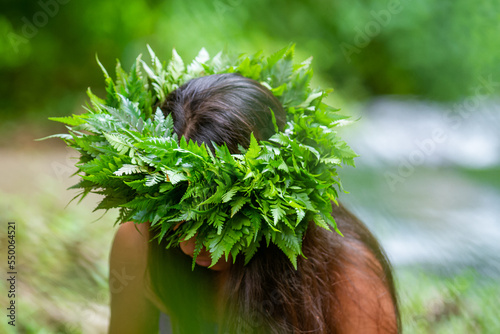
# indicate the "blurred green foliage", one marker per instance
pixel 433 49
pixel 465 303
pixel 61 255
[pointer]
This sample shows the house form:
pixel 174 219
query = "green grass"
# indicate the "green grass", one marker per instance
pixel 466 303
pixel 61 256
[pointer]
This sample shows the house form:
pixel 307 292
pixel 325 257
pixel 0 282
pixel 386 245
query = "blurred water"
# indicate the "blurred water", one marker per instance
pixel 428 182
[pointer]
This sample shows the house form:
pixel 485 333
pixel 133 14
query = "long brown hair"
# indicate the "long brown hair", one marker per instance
pixel 270 296
pixel 267 295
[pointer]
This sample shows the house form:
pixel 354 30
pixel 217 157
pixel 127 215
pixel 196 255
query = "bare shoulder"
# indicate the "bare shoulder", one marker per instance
pixel 128 260
pixel 363 284
pixel 130 243
pixel 127 278
pixel 364 294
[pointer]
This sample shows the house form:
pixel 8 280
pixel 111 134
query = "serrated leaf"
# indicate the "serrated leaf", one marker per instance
pixel 229 194
pixel 154 179
pixel 73 120
pixel 277 213
pixel 254 148
pixel 130 169
pixel 175 66
pixel 175 177
pixel 237 204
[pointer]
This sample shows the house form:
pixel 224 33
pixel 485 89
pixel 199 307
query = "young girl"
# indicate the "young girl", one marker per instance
pixel 341 285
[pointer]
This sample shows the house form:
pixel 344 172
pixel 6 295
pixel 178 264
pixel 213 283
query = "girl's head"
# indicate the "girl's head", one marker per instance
pixel 267 295
pixel 224 108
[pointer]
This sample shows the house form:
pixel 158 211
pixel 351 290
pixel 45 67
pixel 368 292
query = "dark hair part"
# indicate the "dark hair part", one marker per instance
pixel 267 295
pixel 224 108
